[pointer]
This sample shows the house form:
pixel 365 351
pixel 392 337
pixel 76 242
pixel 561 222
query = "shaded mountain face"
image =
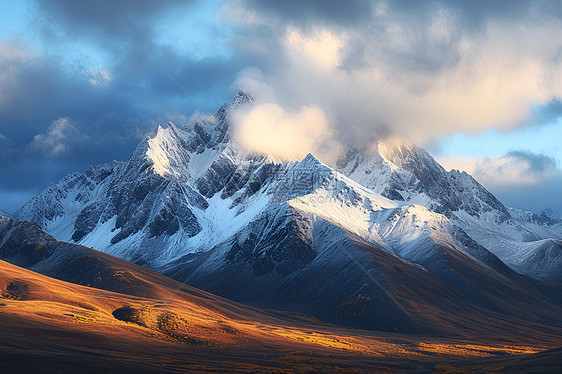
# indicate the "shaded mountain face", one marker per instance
pixel 150 323
pixel 193 204
pixel 24 244
pixel 369 287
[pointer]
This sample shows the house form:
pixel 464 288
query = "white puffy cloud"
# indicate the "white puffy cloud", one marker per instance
pixel 58 139
pixel 520 179
pixel 322 47
pixel 268 129
pixel 516 168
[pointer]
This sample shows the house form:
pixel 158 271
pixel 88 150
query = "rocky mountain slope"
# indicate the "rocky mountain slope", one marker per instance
pixel 398 296
pixel 527 242
pixel 193 204
pixel 114 316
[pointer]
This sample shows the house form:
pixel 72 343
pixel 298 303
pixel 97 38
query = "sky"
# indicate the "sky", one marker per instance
pixel 476 83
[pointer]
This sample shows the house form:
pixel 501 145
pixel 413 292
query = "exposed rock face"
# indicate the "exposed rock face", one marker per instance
pixel 149 200
pixel 280 242
pixel 402 171
pixel 191 203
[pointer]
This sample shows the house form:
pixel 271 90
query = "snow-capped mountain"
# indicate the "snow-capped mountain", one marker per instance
pixel 402 171
pixel 4 213
pixel 156 204
pixel 542 219
pixel 193 204
pixel 400 296
pixel 395 168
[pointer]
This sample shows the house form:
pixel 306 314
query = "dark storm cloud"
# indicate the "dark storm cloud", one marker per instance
pixel 121 18
pixel 333 11
pixel 127 28
pixel 476 13
pixel 100 122
pixel 415 17
pixel 471 14
pixel 112 118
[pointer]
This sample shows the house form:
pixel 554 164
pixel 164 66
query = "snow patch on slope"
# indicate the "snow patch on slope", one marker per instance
pixel 165 151
pixel 526 247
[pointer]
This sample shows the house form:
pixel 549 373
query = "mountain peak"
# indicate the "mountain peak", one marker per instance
pixel 242 98
pixel 163 148
pixel 169 149
pixel 309 161
pixel 397 150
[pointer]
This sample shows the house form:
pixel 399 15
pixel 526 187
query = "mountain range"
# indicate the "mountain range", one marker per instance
pixel 69 308
pixel 384 239
pixel 193 204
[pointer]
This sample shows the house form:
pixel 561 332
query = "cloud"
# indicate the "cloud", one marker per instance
pixel 322 47
pixel 94 63
pixel 550 112
pixel 535 164
pixel 519 178
pixel 58 139
pixel 117 24
pixel 269 130
pixel 513 168
pixel 469 67
pixel 470 14
pixel 324 11
pixel 99 77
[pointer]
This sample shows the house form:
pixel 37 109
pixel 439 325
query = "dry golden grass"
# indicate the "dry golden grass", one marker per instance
pixel 189 328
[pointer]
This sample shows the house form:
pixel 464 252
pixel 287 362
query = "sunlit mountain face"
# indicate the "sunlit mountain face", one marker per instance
pixel 307 186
